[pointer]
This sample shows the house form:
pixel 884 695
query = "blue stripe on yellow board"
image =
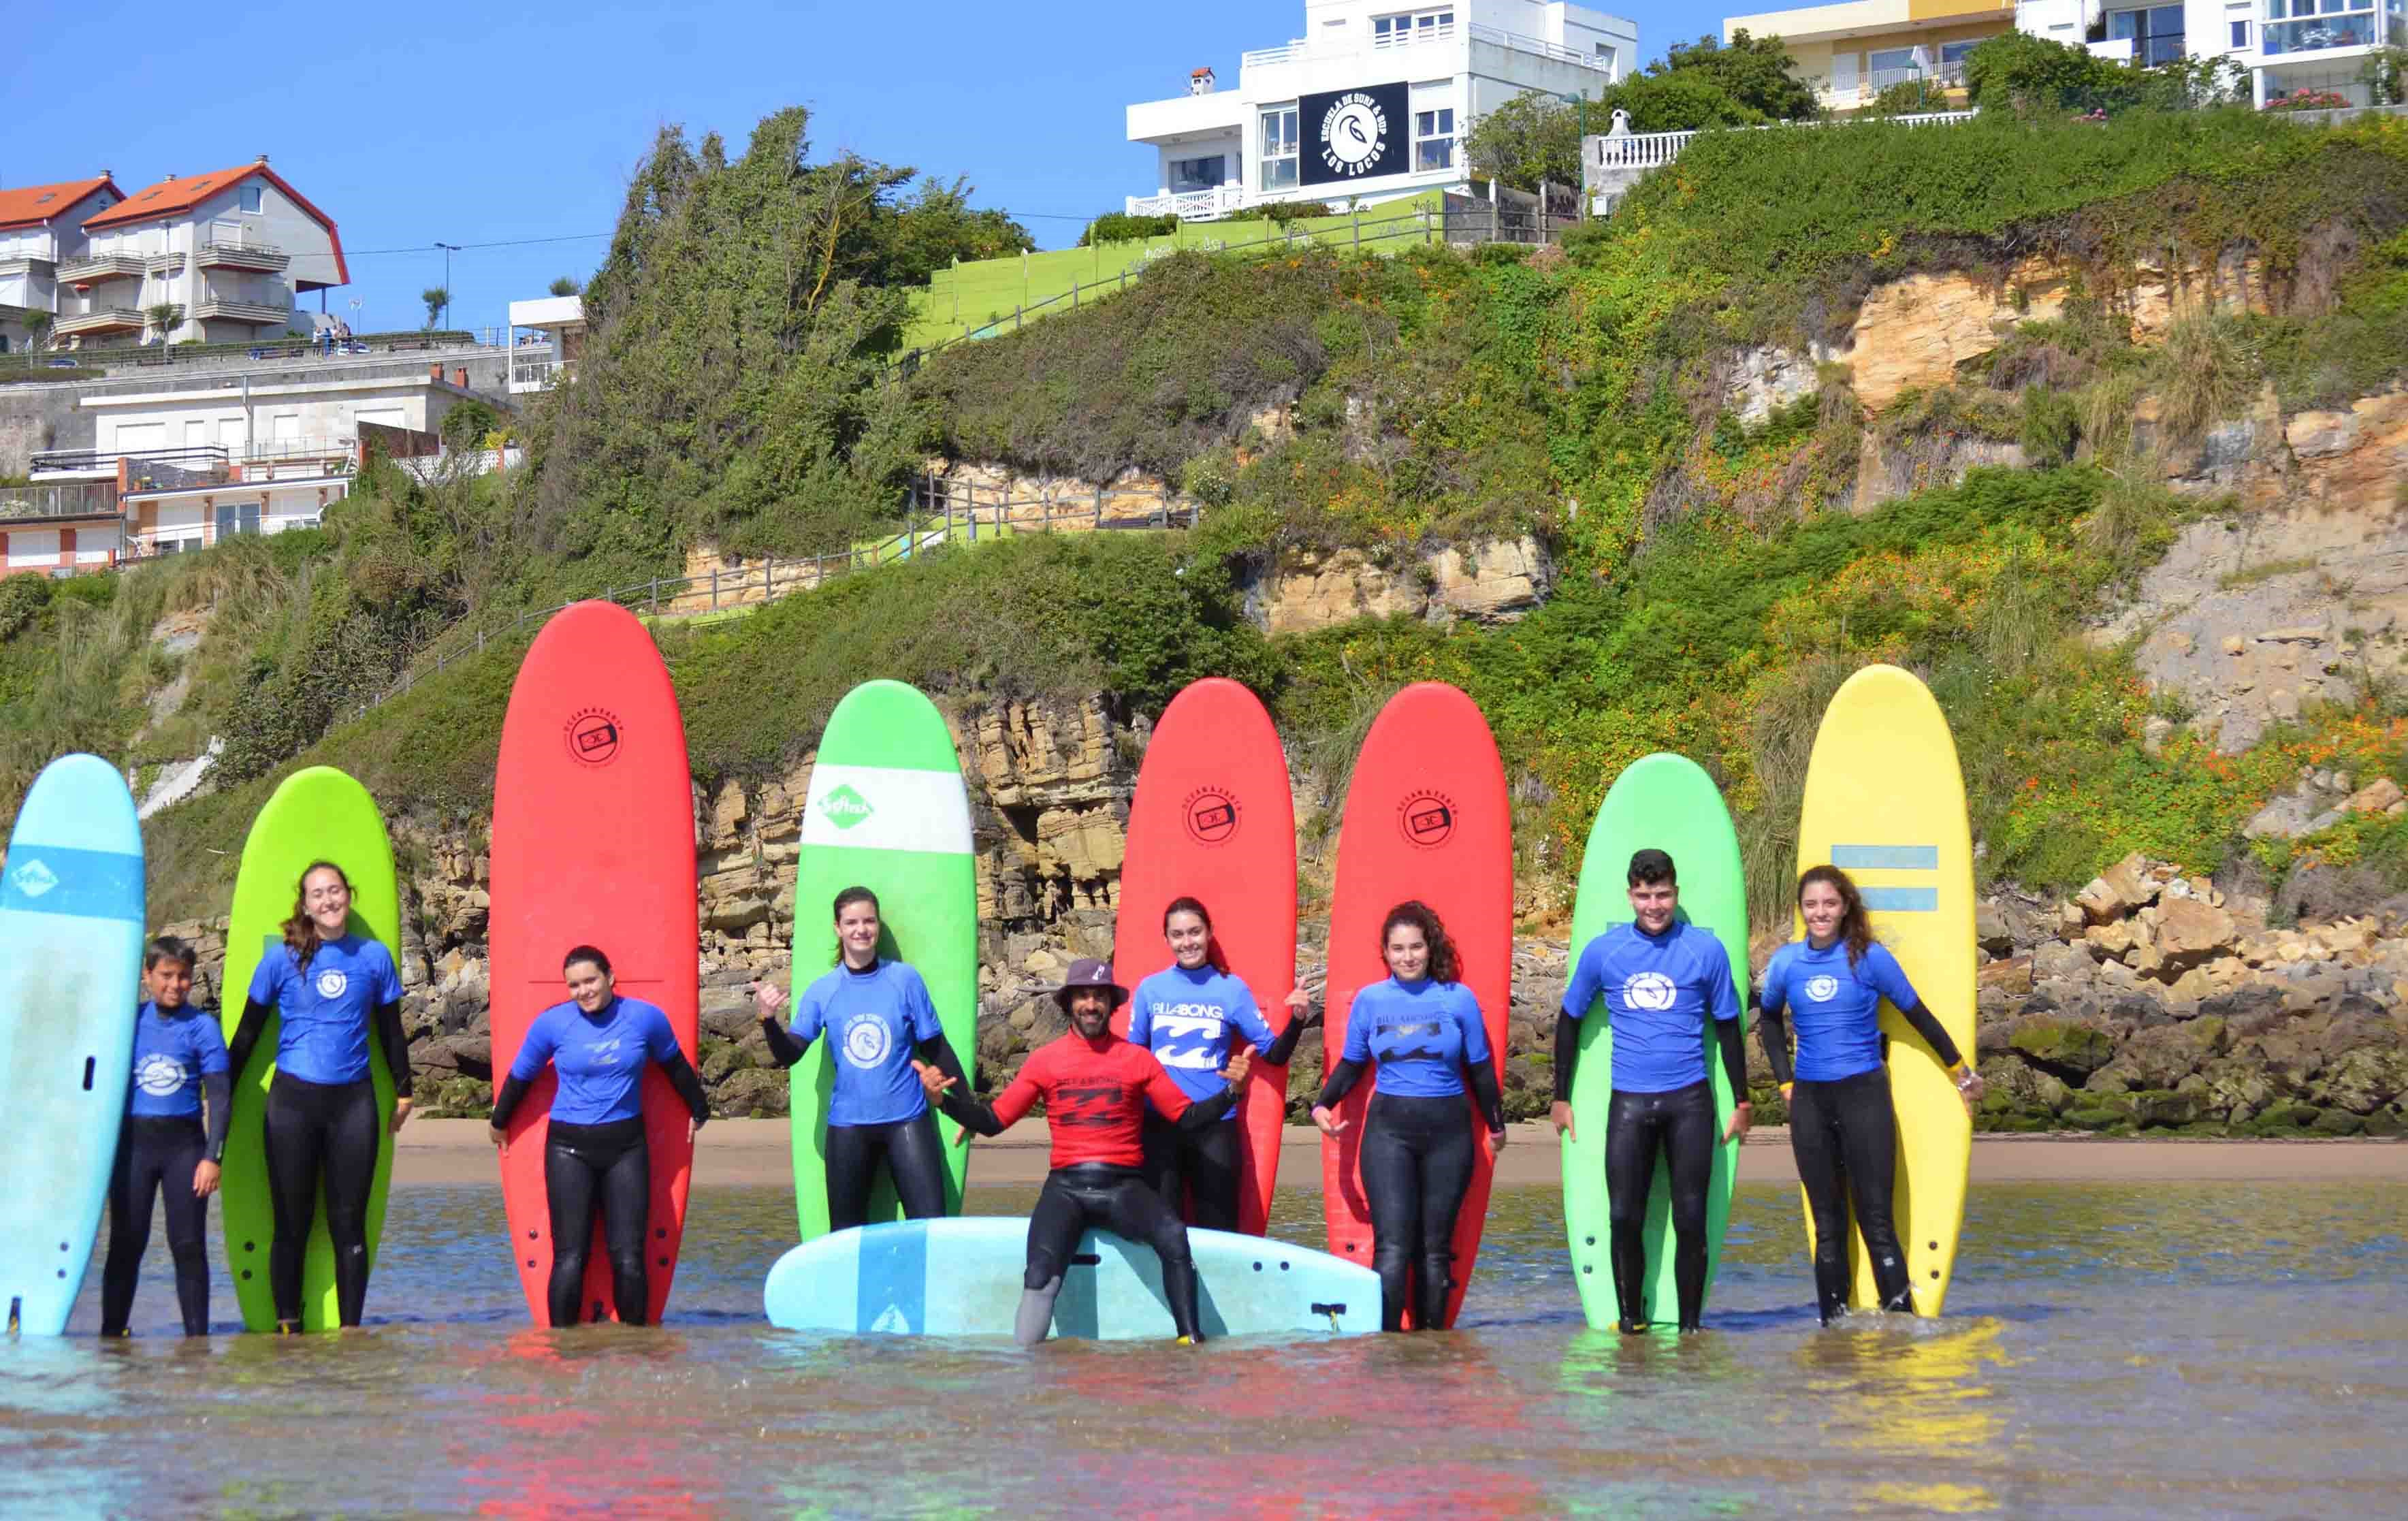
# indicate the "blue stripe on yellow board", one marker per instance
pixel 1902 899
pixel 893 1275
pixel 73 884
pixel 1885 857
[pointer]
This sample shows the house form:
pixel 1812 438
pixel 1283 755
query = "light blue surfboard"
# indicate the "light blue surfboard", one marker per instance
pixel 70 959
pixel 962 1277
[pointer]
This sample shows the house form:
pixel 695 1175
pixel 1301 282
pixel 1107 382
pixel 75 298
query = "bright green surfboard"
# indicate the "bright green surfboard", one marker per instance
pixel 1667 802
pixel 318 814
pixel 886 811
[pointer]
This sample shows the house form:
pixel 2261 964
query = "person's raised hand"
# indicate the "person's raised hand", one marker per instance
pixel 767 999
pixel 1239 1065
pixel 1560 1115
pixel 1301 1001
pixel 937 1084
pixel 1331 1125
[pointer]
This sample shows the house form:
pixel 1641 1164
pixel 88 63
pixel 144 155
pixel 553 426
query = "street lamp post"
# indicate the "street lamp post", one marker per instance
pixel 448 250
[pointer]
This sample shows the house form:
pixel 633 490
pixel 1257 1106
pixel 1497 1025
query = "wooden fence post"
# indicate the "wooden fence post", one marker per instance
pixel 714 588
pixel 1099 507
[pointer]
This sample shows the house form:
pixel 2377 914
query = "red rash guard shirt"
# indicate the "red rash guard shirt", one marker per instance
pixel 1094 1095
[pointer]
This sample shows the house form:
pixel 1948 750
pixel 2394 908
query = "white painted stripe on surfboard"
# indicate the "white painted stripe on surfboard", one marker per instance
pixel 887 808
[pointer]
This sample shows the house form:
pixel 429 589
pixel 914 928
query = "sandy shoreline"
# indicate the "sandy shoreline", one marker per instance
pixel 742 1153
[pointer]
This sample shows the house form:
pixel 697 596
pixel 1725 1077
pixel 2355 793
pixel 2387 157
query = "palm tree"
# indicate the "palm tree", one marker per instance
pixel 167 317
pixel 438 300
pixel 565 286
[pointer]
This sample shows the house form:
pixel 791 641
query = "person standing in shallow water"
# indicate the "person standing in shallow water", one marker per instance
pixel 1842 1124
pixel 165 1152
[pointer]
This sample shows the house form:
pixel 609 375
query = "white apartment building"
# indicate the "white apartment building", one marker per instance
pixel 549 352
pixel 40 225
pixel 2285 45
pixel 1371 103
pixel 230 250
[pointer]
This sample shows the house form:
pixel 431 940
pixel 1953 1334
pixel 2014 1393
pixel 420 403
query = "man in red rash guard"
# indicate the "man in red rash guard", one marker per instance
pixel 1096 1087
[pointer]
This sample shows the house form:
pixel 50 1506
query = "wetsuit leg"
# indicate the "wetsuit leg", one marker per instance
pixel 571 1188
pixel 354 1135
pixel 1633 1130
pixel 1164 1167
pixel 1690 1133
pixel 1134 1209
pixel 1814 1138
pixel 917 1159
pixel 1446 1175
pixel 294 1135
pixel 1867 1137
pixel 1392 1185
pixel 627 1214
pixel 129 1230
pixel 180 1152
pixel 852 1154
pixel 1216 1167
pixel 1054 1228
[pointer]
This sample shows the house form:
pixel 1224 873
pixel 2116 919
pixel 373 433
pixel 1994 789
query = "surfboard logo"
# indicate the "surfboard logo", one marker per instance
pixel 1649 990
pixel 892 1321
pixel 1211 816
pixel 1426 819
pixel 34 879
pixel 845 807
pixel 1822 989
pixel 594 734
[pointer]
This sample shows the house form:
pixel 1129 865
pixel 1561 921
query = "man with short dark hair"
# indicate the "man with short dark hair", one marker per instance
pixel 1662 984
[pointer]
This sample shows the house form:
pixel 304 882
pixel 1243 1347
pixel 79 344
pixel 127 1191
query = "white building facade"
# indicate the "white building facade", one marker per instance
pixel 40 225
pixel 1372 103
pixel 2287 46
pixel 547 354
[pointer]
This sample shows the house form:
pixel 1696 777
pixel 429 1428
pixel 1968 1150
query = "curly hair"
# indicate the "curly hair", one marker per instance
pixel 1444 967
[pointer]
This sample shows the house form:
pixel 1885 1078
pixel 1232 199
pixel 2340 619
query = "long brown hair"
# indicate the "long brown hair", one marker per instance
pixel 1855 927
pixel 301 935
pixel 844 900
pixel 1444 965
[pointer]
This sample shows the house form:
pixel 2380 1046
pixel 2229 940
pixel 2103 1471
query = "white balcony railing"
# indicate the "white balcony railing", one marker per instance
pixel 1190 206
pixel 102 320
pixel 257 313
pixel 1540 47
pixel 1645 151
pixel 1302 48
pixel 93 268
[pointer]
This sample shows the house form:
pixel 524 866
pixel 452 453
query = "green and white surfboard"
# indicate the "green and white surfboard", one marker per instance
pixel 1667 802
pixel 886 811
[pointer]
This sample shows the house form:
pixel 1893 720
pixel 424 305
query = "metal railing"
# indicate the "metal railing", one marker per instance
pixel 191 456
pixel 69 500
pixel 1541 46
pixel 1302 48
pixel 240 356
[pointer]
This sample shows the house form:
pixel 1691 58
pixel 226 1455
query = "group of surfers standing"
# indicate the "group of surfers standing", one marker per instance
pixel 1142 1142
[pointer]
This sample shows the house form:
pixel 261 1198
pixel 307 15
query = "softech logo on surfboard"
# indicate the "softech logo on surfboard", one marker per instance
pixel 845 807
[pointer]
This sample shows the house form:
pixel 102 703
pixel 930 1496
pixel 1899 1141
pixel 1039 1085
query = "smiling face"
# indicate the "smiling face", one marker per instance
pixel 1091 1011
pixel 1821 906
pixel 588 985
pixel 856 930
pixel 169 982
pixel 326 898
pixel 1655 903
pixel 1190 938
pixel 1407 951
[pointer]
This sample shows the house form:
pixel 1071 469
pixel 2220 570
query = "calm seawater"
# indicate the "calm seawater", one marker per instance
pixel 2169 1350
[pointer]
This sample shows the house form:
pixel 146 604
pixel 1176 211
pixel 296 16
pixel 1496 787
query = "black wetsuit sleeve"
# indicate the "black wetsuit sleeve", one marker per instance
pixel 216 1097
pixel 1567 1055
pixel 784 1048
pixel 397 1046
pixel 1483 1078
pixel 1340 1083
pixel 977 1118
pixel 937 1052
pixel 245 1036
pixel 1927 1026
pixel 1734 1051
pixel 1773 1026
pixel 1206 1111
pixel 688 1083
pixel 1285 1047
pixel 506 1103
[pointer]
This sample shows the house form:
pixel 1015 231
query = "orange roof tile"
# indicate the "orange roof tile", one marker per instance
pixel 171 196
pixel 29 204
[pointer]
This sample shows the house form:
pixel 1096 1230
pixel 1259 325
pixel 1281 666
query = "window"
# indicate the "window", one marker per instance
pixel 1893 65
pixel 1189 175
pixel 1605 56
pixel 1434 139
pixel 237 518
pixel 2156 34
pixel 1277 152
pixel 249 198
pixel 1418 26
pixel 1952 56
pixel 2239 35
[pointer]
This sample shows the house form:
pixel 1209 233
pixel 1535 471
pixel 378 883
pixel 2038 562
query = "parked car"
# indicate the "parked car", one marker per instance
pixel 59 363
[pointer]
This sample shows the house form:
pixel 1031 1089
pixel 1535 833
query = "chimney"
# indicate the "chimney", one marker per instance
pixel 1201 82
pixel 262 158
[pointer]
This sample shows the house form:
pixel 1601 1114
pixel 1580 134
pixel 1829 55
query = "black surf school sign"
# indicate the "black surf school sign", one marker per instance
pixel 1351 135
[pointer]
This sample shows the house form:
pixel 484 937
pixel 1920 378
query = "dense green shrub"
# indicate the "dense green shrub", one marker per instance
pixel 1121 227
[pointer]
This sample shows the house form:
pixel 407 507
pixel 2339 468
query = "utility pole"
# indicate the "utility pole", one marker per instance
pixel 448 250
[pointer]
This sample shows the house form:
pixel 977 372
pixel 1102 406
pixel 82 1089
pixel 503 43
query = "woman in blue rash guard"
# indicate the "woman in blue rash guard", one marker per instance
pixel 331 988
pixel 1188 1014
pixel 878 1013
pixel 1423 1029
pixel 1842 1122
pixel 594 1152
pixel 1663 984
pixel 179 1057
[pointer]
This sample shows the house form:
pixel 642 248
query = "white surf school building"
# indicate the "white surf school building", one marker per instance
pixel 1372 103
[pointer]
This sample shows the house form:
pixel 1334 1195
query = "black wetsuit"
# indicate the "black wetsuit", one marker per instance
pixel 179 1072
pixel 1202 1170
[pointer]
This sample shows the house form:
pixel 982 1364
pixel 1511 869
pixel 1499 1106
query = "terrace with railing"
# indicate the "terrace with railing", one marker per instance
pixel 1300 49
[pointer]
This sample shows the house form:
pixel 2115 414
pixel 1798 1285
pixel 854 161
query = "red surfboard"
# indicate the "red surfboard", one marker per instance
pixel 593 845
pixel 1426 818
pixel 1213 820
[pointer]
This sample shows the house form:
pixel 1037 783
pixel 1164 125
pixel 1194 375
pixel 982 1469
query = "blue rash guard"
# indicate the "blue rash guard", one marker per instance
pixel 1422 1033
pixel 600 1057
pixel 877 1018
pixel 171 1052
pixel 1837 1006
pixel 1659 991
pixel 323 1034
pixel 1188 1020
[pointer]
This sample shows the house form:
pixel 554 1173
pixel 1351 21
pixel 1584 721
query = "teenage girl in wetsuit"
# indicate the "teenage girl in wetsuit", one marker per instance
pixel 1842 1124
pixel 881 1017
pixel 1187 1014
pixel 1422 1028
pixel 1664 984
pixel 330 986
pixel 595 1152
pixel 1096 1087
pixel 179 1057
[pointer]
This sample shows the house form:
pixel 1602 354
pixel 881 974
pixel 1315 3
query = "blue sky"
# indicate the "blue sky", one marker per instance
pixel 522 122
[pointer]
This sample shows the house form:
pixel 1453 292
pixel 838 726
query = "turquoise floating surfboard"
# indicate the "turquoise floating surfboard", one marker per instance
pixel 962 1277
pixel 70 956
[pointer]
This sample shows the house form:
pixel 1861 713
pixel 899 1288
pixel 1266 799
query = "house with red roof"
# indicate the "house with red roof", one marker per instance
pixel 232 252
pixel 40 225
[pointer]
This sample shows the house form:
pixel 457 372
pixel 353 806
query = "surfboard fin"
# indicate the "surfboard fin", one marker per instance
pixel 16 1302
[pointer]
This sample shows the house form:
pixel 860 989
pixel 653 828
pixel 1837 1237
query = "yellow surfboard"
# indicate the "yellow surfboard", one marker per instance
pixel 1885 803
